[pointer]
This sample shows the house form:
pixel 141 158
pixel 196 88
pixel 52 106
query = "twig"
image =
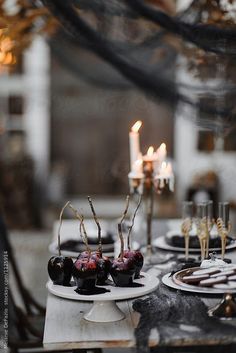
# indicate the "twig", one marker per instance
pixel 59 228
pixel 97 223
pixel 132 223
pixel 120 228
pixel 82 229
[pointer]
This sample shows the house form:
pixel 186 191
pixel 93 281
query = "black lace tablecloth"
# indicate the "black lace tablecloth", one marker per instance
pixel 180 318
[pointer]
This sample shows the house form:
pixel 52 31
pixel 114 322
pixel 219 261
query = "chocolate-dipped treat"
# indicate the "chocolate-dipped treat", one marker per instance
pixel 60 270
pixel 123 271
pixel 90 268
pixel 134 255
pixel 137 259
pixel 104 266
pixel 85 274
pixel 60 267
pixel 123 268
pixel 84 254
pixel 103 262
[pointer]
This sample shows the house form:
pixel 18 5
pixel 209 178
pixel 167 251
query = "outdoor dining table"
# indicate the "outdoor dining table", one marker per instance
pixel 163 318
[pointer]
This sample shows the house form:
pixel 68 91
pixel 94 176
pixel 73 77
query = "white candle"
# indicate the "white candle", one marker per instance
pixel 165 176
pixel 161 153
pixel 166 169
pixel 137 170
pixel 134 144
pixel 151 156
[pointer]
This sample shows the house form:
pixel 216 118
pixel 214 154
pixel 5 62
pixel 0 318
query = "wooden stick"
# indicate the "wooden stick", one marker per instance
pixel 132 223
pixel 121 241
pixel 120 228
pixel 59 228
pixel 82 228
pixel 97 223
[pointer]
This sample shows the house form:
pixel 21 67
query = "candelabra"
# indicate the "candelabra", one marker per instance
pixel 150 175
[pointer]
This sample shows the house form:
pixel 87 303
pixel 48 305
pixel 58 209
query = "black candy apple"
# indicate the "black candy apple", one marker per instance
pixel 60 270
pixel 122 271
pixel 103 264
pixel 137 258
pixel 85 273
pixel 84 255
pixel 60 267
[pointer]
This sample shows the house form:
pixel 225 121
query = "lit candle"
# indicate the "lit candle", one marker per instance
pixel 161 153
pixel 166 169
pixel 136 177
pixel 151 156
pixel 138 166
pixel 137 169
pixel 134 144
pixel 165 176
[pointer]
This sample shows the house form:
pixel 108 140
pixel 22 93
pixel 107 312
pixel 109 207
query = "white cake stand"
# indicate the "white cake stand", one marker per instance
pixel 104 308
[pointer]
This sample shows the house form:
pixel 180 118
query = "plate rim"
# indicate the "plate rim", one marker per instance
pixel 168 281
pixel 160 243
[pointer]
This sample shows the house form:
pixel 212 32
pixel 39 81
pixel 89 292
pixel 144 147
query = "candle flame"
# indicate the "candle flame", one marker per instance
pixel 162 147
pixel 136 126
pixel 150 151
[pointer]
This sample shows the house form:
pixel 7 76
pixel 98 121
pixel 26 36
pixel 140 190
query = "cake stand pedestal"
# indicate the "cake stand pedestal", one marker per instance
pixel 104 308
pixel 104 311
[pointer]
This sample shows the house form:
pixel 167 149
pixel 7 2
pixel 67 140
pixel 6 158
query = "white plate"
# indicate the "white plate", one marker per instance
pixel 53 249
pixel 116 293
pixel 168 281
pixel 161 243
pixel 69 231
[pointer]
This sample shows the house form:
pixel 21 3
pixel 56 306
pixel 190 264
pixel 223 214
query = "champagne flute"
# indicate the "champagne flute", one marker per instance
pixel 223 225
pixel 187 219
pixel 202 229
pixel 210 222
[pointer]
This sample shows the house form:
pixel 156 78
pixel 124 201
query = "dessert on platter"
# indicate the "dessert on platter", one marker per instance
pixel 92 271
pixel 212 277
pixel 94 277
pixel 129 263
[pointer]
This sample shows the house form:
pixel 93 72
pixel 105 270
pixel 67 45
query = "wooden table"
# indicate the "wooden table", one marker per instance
pixel 65 327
